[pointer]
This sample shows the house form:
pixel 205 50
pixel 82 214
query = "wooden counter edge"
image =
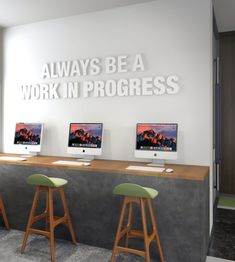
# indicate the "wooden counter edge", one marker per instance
pixel 120 167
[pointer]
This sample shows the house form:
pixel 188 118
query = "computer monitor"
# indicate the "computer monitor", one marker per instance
pixel 28 138
pixel 85 139
pixel 157 142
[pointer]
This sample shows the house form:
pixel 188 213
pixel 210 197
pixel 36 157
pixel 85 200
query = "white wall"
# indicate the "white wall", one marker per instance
pixel 173 36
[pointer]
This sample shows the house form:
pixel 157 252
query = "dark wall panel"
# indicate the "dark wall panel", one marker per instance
pixel 227 65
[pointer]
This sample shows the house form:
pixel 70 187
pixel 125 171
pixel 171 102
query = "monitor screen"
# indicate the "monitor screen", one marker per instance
pixel 28 134
pixel 156 137
pixel 85 135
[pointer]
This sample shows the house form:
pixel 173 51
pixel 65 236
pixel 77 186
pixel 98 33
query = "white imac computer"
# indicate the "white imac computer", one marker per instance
pixel 28 138
pixel 85 139
pixel 157 142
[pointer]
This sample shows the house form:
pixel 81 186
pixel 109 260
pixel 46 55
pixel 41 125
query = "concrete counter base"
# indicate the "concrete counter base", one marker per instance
pixel 181 209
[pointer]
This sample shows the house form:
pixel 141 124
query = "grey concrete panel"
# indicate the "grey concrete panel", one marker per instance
pixel 181 208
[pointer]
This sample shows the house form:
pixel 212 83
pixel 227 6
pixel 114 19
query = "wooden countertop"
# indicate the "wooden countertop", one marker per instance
pixel 186 172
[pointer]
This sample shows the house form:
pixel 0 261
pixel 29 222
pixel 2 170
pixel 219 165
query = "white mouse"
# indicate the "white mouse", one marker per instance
pixel 169 170
pixel 86 164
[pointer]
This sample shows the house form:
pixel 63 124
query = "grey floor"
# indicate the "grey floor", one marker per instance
pixel 214 259
pixel 38 250
pixel 222 242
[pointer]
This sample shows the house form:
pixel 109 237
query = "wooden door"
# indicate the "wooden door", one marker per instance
pixel 227 73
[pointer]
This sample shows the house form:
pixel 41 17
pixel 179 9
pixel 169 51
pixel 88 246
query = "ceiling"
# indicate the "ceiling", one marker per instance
pixel 225 14
pixel 18 12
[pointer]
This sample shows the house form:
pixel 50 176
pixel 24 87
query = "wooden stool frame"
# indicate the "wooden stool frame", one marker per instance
pixel 130 233
pixel 3 213
pixel 51 220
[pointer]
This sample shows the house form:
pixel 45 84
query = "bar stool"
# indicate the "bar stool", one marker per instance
pixel 48 185
pixel 3 213
pixel 136 194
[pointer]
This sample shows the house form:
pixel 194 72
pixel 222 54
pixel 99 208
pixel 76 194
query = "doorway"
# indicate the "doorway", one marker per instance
pixel 227 127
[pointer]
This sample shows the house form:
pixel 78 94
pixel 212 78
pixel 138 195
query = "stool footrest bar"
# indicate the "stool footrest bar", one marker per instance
pixel 129 250
pixel 151 237
pixel 136 233
pixel 39 232
pixel 123 233
pixel 60 220
pixel 39 217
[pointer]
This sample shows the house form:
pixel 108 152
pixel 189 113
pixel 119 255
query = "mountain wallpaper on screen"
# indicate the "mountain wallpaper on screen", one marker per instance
pixel 80 137
pixel 150 138
pixel 26 136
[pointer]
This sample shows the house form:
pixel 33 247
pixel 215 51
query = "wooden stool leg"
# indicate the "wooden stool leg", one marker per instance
pixel 47 211
pixel 67 215
pixel 153 220
pixel 2 208
pixel 146 238
pixel 30 221
pixel 51 222
pixel 119 229
pixel 129 223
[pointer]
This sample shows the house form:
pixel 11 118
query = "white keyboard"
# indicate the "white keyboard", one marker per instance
pixel 71 163
pixel 146 168
pixel 12 158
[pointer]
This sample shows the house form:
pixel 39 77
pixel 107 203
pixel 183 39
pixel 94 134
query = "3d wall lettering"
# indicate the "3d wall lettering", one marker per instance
pixel 92 67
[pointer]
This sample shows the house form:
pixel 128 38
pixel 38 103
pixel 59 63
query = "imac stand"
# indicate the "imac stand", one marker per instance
pixel 157 162
pixel 30 154
pixel 86 158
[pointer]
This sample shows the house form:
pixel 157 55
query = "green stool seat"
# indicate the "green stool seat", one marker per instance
pixel 42 180
pixel 134 190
